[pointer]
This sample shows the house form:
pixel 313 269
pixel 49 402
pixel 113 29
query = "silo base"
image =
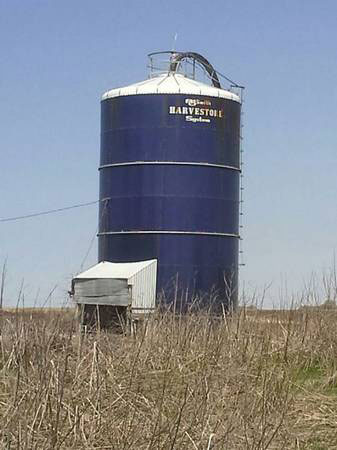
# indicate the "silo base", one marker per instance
pixel 194 271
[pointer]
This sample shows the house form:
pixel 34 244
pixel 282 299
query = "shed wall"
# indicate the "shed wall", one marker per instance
pixel 102 291
pixel 144 288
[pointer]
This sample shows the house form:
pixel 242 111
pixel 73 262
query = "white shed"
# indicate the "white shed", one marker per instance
pixel 118 284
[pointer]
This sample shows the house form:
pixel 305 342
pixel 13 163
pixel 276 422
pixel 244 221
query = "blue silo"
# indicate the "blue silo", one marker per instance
pixel 170 180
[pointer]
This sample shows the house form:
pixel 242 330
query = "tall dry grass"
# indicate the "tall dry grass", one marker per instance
pixel 256 380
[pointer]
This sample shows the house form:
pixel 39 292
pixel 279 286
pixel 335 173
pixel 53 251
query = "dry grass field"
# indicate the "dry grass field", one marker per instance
pixel 256 380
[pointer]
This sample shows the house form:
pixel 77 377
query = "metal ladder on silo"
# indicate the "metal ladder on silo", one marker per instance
pixel 241 200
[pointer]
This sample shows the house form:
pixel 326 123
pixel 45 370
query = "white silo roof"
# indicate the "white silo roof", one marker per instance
pixel 171 83
pixel 106 269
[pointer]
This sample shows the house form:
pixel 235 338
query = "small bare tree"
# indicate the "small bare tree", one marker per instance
pixel 2 289
pixel 3 280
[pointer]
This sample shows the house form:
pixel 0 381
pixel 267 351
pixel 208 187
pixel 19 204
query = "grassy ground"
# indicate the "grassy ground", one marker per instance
pixel 258 380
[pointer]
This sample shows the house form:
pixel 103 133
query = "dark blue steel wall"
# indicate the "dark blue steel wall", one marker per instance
pixel 173 185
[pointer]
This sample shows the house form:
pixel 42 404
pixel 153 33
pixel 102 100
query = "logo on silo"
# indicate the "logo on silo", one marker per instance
pixel 196 102
pixel 197 110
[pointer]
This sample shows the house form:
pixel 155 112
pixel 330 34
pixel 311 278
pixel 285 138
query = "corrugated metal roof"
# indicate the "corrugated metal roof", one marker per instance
pixel 106 269
pixel 171 83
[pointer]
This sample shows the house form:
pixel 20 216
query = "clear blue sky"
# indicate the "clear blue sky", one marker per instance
pixel 58 57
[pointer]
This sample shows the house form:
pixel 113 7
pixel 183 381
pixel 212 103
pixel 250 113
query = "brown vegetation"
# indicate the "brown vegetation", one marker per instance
pixel 257 380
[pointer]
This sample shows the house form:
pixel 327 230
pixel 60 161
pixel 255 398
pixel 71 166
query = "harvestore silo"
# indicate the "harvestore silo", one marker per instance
pixel 170 179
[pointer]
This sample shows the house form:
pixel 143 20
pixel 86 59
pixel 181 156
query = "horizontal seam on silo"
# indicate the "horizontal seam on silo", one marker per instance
pixel 203 233
pixel 175 163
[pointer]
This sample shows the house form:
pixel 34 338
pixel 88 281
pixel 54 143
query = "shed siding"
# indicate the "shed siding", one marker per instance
pixel 102 291
pixel 144 288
